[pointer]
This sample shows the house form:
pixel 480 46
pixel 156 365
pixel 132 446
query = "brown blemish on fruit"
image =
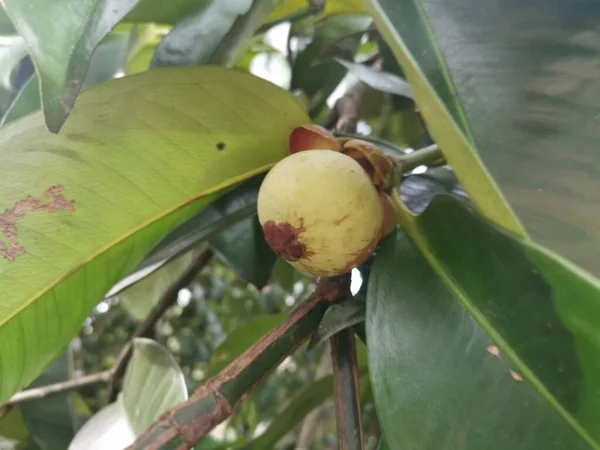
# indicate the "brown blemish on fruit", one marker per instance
pixel 340 220
pixel 283 239
pixel 220 146
pixel 10 217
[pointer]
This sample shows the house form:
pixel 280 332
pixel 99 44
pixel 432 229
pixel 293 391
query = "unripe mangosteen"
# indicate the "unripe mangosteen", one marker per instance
pixel 320 212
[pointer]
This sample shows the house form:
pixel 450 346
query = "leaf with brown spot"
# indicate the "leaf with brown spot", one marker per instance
pixel 128 191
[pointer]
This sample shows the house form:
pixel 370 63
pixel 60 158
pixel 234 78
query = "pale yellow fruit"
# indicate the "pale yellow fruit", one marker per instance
pixel 320 212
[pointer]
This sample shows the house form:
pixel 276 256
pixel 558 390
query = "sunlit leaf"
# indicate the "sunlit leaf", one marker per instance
pixel 139 156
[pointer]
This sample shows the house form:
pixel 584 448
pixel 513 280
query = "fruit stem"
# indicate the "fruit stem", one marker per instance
pixel 403 215
pixel 428 156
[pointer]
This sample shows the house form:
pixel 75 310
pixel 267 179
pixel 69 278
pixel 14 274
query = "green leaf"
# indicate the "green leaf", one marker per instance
pixel 521 321
pixel 382 444
pixel 108 61
pixel 289 7
pixel 244 249
pixel 160 11
pixel 139 298
pixel 338 317
pixel 138 156
pixel 62 53
pixel 11 424
pixel 240 339
pixel 526 106
pixel 213 35
pixel 49 420
pixel 382 81
pixel 25 102
pixel 153 384
pixel 406 30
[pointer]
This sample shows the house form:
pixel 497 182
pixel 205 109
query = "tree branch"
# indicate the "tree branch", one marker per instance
pixel 69 385
pixel 167 299
pixel 343 117
pixel 347 392
pixel 427 156
pixel 182 427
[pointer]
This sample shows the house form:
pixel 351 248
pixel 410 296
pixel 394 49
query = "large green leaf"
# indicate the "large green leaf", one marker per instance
pixel 212 35
pixel 108 61
pixel 62 53
pixel 139 156
pixel 513 84
pixel 506 298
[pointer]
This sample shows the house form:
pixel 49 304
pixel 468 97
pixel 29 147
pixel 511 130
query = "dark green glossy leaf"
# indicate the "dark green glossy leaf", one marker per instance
pixel 194 40
pixel 49 420
pixel 241 339
pixel 244 249
pixel 25 102
pixel 213 35
pixel 338 317
pixel 441 382
pixel 518 81
pixel 62 58
pixel 108 61
pixel 540 312
pixel 382 81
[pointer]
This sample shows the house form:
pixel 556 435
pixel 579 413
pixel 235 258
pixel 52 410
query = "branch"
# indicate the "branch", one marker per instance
pixel 343 117
pixel 167 299
pixel 44 391
pixel 347 393
pixel 182 427
pixel 427 156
